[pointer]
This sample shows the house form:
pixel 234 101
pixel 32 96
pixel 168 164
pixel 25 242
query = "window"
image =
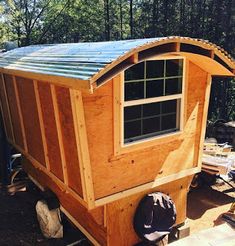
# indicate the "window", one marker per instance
pixel 152 99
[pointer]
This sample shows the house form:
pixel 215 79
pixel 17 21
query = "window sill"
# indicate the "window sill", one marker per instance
pixel 148 142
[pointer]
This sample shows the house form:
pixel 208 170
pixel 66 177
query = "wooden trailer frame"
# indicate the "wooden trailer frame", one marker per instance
pixel 48 111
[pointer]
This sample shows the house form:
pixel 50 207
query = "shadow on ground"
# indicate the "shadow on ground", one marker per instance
pixel 205 198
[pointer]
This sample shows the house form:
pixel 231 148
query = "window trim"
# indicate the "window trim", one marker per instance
pixel 119 104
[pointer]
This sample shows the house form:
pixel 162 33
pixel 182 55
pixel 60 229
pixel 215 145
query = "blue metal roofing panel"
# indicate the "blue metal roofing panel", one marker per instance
pixel 77 60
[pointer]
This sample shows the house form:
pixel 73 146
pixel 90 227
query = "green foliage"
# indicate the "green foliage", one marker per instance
pixel 59 21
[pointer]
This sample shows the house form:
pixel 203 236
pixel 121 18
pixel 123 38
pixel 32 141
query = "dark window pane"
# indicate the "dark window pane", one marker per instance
pixel 134 90
pixel 154 88
pixel 173 86
pixel 132 112
pixel 174 67
pixel 169 106
pixel 151 125
pixel 168 122
pixel 132 129
pixel 135 72
pixel 151 109
pixel 154 69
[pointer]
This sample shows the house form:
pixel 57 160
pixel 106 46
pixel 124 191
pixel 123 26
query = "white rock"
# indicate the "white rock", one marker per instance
pixel 49 220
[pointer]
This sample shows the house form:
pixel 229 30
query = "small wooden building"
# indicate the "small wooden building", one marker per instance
pixel 102 124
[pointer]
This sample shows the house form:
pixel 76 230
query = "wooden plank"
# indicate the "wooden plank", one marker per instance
pixel 152 100
pixel 6 110
pixel 186 94
pixel 177 46
pixel 31 119
pixel 15 117
pixel 69 139
pixel 59 131
pixel 83 85
pixel 80 227
pixel 77 138
pixel 49 128
pixel 120 213
pixel 158 182
pixel 204 119
pixel 83 151
pixel 20 115
pixel 35 84
pixel 68 200
pixel 117 114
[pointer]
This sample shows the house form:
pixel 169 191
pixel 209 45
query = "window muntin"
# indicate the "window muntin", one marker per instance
pixel 152 99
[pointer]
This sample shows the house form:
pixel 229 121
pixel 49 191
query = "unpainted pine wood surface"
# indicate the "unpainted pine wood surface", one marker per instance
pixel 15 117
pixel 50 129
pixel 113 173
pixel 120 213
pixel 30 118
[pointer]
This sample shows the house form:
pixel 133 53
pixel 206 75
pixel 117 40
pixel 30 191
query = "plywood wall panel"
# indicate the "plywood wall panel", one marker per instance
pixel 15 117
pixel 5 111
pixel 69 140
pixel 51 134
pixel 114 173
pixel 120 214
pixel 30 118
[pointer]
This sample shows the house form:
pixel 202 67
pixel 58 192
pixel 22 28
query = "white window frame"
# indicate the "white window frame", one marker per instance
pixel 180 108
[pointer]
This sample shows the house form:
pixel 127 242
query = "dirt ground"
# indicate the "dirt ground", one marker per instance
pixel 206 205
pixel 19 226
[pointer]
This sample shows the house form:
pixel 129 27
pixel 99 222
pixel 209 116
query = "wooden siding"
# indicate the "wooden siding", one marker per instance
pixel 30 118
pixel 5 110
pixel 68 138
pixel 40 116
pixel 50 129
pixel 15 116
pixel 120 213
pixel 114 173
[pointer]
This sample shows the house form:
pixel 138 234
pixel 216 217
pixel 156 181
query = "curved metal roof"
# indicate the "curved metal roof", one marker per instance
pixel 86 61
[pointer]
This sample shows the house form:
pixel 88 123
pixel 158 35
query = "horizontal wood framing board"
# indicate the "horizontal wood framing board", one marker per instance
pixel 150 185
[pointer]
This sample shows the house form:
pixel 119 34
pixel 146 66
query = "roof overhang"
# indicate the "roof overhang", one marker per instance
pixel 204 54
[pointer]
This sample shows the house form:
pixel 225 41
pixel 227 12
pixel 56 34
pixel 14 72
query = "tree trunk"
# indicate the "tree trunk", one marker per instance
pixel 107 23
pixel 121 19
pixel 131 18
